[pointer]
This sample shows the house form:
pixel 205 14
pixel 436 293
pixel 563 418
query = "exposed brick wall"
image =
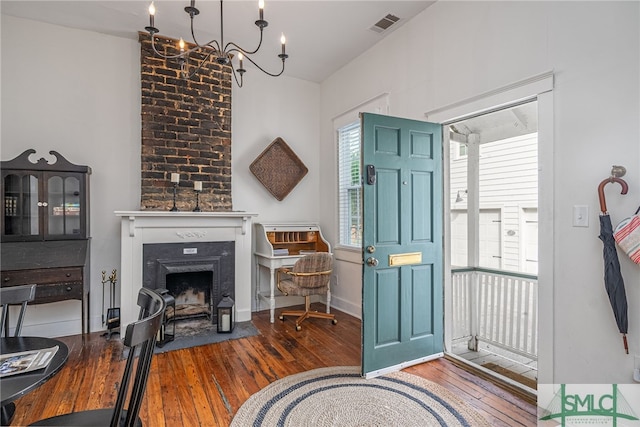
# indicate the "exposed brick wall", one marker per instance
pixel 186 128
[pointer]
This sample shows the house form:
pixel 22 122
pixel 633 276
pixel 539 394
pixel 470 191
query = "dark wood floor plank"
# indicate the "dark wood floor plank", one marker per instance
pixel 205 386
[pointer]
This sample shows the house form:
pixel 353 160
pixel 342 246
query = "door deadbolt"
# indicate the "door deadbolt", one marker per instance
pixel 371 249
pixel 372 262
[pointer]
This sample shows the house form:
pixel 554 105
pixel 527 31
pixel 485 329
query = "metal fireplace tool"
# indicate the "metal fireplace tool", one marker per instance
pixel 113 313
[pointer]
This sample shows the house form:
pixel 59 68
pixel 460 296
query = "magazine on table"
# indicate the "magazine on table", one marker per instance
pixel 26 361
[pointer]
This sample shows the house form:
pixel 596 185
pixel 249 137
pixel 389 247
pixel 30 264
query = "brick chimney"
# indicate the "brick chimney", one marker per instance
pixel 186 129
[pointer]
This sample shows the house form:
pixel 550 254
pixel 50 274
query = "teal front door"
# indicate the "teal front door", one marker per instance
pixel 402 301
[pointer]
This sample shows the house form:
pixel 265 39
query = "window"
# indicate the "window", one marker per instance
pixel 462 150
pixel 350 185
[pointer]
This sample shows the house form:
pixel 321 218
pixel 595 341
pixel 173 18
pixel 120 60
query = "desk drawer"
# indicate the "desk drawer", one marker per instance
pixel 58 292
pixel 41 276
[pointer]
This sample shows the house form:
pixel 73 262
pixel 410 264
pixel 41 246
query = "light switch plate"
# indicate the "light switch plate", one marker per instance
pixel 581 216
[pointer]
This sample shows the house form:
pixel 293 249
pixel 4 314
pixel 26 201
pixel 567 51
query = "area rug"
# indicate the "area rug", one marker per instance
pixel 206 333
pixel 339 396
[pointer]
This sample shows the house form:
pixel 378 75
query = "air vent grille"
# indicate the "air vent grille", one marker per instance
pixel 385 23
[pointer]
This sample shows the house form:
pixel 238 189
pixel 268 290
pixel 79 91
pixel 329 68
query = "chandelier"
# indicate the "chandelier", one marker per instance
pixel 213 50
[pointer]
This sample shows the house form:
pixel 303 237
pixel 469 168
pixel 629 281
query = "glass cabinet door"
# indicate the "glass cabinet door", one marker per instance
pixel 64 207
pixel 21 205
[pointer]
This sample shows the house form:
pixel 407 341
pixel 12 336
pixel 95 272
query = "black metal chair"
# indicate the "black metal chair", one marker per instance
pixel 15 295
pixel 140 336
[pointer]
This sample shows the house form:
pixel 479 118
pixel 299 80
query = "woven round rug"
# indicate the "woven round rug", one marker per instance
pixel 339 396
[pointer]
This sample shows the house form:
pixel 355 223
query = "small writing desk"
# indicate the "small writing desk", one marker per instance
pixel 15 386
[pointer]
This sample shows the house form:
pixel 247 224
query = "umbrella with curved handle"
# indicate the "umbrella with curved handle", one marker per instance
pixel 603 203
pixel 613 281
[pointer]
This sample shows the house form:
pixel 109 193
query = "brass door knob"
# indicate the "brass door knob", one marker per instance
pixel 372 262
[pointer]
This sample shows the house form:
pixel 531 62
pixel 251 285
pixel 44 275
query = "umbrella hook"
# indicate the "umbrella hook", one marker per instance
pixel 603 203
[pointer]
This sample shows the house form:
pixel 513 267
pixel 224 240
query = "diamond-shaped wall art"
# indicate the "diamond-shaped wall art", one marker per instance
pixel 278 169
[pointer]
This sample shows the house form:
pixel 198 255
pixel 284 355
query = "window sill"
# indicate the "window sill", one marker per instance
pixel 348 254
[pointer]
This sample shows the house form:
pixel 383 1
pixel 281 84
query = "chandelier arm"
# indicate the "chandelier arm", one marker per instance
pixel 235 76
pixel 199 67
pixel 262 69
pixel 212 44
pixel 244 51
pixel 157 52
pixel 186 53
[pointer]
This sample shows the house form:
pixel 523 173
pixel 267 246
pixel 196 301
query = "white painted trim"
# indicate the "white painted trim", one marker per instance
pixel 446 248
pixel 379 103
pixel 539 87
pixel 546 245
pixel 494 99
pixel 402 365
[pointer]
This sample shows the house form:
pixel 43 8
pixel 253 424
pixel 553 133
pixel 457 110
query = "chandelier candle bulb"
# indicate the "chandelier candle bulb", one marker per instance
pixel 175 178
pixel 181 44
pixel 283 41
pixel 197 185
pixel 152 12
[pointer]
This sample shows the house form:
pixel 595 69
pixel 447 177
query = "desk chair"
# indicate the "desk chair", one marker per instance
pixel 140 335
pixel 14 295
pixel 310 275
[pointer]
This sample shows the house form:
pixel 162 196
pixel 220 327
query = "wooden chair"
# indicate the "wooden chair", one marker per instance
pixel 140 336
pixel 14 295
pixel 310 275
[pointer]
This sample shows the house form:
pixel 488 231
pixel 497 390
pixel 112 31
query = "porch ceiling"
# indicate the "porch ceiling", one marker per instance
pixel 498 125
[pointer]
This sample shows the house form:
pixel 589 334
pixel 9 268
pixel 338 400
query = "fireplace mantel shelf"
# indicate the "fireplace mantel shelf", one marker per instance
pixel 245 217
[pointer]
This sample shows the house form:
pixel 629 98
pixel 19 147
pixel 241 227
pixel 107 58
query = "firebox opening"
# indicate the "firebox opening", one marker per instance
pixel 192 293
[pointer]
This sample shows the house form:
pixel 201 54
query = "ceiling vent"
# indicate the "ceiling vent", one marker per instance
pixel 384 23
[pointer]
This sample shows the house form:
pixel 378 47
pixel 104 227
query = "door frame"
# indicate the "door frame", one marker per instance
pixel 538 87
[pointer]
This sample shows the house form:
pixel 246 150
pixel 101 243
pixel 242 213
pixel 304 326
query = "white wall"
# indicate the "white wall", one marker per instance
pixel 78 93
pixel 456 50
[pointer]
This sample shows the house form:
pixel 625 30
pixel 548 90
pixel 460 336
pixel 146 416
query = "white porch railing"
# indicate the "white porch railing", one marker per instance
pixel 496 307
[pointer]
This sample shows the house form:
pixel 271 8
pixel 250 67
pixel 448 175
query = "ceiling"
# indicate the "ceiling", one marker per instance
pixel 322 35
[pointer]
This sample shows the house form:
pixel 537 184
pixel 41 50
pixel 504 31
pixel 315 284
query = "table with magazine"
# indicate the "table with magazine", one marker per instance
pixel 25 364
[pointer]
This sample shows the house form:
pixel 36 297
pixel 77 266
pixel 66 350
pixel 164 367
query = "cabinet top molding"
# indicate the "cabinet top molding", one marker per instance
pixel 22 162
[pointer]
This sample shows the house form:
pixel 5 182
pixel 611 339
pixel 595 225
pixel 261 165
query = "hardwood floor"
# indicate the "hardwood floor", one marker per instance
pixel 205 386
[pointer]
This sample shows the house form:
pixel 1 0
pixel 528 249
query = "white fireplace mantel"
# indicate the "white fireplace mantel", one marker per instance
pixel 141 227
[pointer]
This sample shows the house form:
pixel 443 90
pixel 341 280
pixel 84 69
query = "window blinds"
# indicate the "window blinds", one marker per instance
pixel 350 185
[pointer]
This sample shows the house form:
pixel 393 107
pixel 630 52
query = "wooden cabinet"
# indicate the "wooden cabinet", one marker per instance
pixel 44 204
pixel 45 228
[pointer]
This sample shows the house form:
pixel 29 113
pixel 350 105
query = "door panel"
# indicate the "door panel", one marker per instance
pixel 402 301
